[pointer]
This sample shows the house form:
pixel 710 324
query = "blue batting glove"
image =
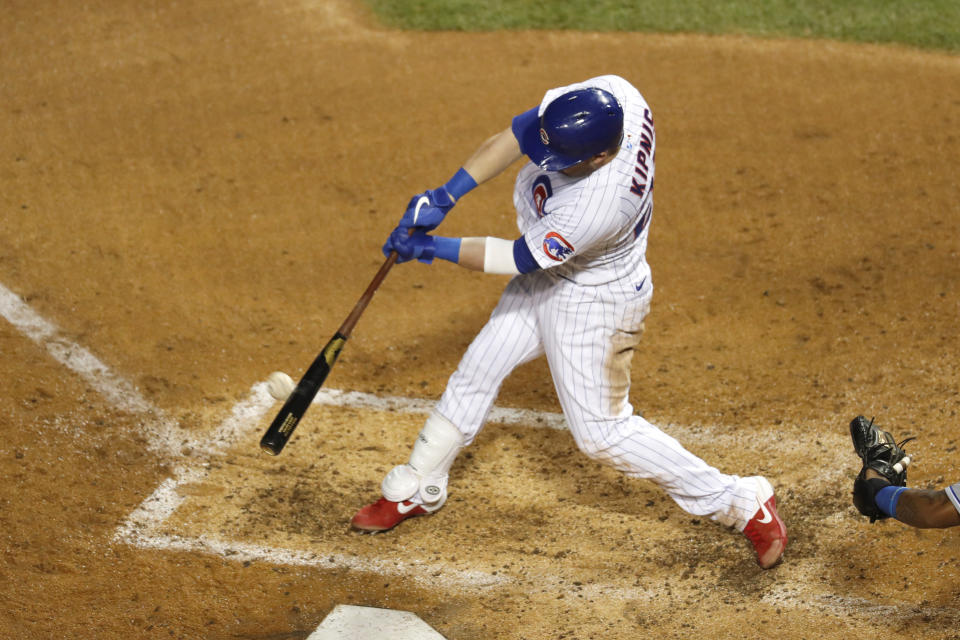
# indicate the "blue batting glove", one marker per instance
pixel 428 214
pixel 418 246
pixel 441 199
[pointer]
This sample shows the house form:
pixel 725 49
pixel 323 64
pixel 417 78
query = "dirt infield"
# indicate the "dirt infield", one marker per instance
pixel 194 194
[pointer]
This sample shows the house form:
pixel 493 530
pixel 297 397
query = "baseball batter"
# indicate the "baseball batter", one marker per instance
pixel 581 291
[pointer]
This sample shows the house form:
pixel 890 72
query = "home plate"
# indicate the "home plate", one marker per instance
pixel 347 622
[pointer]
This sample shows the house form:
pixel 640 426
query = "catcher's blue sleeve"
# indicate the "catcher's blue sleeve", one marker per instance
pixel 887 499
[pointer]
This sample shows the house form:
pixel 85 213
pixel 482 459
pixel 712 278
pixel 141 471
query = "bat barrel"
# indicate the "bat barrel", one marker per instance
pixel 270 447
pixel 286 420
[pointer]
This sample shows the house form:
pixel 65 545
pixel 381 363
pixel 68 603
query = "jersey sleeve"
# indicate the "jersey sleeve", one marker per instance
pixel 565 233
pixel 953 492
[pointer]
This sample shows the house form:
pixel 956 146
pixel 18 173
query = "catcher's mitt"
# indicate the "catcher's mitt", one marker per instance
pixel 880 452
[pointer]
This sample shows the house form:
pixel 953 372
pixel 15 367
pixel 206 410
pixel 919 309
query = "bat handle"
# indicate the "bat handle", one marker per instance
pixel 367 296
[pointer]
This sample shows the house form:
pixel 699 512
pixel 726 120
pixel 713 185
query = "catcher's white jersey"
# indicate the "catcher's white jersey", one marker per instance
pixel 584 310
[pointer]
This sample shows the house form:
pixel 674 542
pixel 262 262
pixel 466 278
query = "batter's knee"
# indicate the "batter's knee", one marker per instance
pixel 599 439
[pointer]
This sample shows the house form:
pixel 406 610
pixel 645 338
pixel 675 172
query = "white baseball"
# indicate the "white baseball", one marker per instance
pixel 280 385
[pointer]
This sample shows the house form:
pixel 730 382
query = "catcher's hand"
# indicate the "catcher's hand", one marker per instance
pixel 879 452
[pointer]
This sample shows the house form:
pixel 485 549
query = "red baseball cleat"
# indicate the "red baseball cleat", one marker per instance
pixel 384 514
pixel 765 529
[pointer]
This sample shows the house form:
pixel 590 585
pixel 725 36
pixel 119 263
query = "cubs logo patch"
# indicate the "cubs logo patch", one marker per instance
pixel 541 191
pixel 544 138
pixel 556 247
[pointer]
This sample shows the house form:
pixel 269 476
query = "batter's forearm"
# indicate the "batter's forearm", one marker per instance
pixel 493 156
pixel 471 253
pixel 490 255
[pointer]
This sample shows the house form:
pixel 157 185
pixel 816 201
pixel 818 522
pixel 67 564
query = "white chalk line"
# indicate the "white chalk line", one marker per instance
pixel 142 527
pixel 164 433
pixel 779 595
pixel 400 404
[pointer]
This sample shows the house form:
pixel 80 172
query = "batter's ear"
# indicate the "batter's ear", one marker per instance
pixel 603 157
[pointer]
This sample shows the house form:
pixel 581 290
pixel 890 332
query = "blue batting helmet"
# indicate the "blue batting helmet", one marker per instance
pixel 574 127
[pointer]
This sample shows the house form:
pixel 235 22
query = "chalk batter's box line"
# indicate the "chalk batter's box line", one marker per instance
pixel 167 438
pixel 142 527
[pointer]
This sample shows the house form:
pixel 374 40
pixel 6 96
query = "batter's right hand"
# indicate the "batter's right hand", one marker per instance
pixel 417 245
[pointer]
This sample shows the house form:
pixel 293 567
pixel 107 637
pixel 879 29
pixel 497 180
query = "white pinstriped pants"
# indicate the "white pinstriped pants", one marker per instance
pixel 588 335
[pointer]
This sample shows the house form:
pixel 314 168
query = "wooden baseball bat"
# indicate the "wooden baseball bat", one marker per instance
pixel 299 400
pixel 297 403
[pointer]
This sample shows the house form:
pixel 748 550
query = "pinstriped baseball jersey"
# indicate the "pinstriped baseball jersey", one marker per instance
pixel 584 310
pixel 953 492
pixel 593 230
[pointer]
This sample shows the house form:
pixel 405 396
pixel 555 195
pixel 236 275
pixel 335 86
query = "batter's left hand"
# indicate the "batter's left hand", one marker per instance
pixel 408 246
pixel 429 214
